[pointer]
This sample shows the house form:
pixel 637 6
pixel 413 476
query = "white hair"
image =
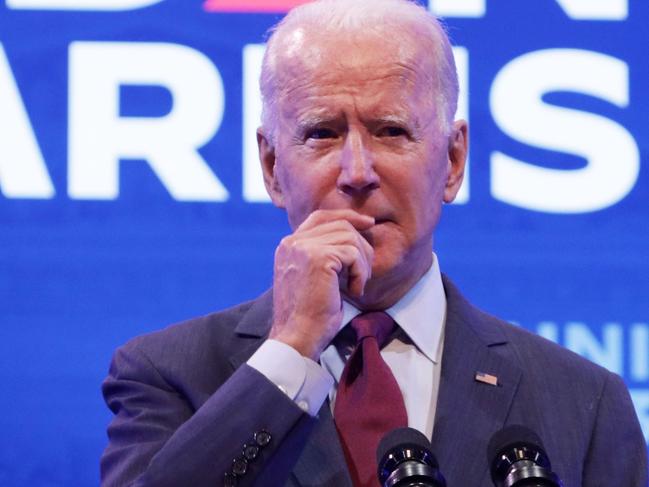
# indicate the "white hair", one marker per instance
pixel 397 18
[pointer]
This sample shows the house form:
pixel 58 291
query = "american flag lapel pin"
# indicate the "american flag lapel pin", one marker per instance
pixel 492 380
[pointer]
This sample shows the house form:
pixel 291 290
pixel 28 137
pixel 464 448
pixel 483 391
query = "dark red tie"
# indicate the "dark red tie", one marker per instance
pixel 368 399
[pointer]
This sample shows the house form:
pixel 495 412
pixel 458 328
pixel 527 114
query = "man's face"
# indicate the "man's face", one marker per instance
pixel 357 128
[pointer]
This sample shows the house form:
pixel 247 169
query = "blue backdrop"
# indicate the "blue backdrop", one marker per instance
pixel 129 197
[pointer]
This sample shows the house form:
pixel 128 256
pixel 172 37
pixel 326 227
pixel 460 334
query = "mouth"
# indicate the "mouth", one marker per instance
pixel 370 234
pixel 381 221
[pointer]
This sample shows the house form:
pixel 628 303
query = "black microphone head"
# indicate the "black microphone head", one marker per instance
pixel 513 444
pixel 401 449
pixel 400 438
pixel 511 437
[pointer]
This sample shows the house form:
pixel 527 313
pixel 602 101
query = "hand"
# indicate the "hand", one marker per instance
pixel 324 254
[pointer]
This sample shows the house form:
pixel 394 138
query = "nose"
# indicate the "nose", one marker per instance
pixel 357 175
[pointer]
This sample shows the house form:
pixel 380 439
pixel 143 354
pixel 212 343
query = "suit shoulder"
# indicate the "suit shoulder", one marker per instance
pixel 530 350
pixel 215 331
pixel 548 357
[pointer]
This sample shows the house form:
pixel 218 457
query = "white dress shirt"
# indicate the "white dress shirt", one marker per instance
pixel 414 355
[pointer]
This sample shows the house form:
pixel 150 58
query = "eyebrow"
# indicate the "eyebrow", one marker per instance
pixel 395 119
pixel 406 120
pixel 311 120
pixel 302 124
pixel 316 119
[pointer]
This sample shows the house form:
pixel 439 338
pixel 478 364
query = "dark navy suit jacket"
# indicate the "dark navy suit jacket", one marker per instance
pixel 185 403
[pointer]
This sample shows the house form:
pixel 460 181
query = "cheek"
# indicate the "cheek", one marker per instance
pixel 434 177
pixel 420 199
pixel 306 188
pixel 300 202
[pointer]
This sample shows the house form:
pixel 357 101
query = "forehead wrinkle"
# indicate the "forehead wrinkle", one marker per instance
pixel 396 110
pixel 307 82
pixel 314 83
pixel 320 112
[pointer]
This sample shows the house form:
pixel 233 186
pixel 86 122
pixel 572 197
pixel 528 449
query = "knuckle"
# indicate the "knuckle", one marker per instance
pixel 348 225
pixel 316 216
pixel 283 246
pixel 370 250
pixel 286 241
pixel 299 246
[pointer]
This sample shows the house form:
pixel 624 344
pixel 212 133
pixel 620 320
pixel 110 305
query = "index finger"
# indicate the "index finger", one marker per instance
pixel 318 217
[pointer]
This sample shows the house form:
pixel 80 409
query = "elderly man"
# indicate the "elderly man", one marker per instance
pixel 359 146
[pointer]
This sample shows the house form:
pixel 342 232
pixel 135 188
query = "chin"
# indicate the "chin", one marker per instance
pixel 386 262
pixel 396 261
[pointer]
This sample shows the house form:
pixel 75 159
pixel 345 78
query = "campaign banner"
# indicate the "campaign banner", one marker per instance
pixel 131 194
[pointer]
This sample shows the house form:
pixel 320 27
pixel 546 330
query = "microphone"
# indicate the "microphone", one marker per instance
pixel 405 460
pixel 519 460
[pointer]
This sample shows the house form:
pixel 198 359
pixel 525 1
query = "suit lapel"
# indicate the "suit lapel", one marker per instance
pixel 253 328
pixel 469 411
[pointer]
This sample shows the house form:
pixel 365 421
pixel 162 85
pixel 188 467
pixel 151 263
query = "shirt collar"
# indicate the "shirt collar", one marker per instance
pixel 421 312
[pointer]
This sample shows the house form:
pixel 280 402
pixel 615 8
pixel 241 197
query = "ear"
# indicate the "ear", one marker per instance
pixel 458 146
pixel 267 159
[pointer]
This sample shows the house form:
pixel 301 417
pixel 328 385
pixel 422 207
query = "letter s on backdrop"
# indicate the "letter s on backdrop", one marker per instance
pixel 613 159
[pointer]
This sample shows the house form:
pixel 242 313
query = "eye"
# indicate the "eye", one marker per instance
pixel 392 131
pixel 320 133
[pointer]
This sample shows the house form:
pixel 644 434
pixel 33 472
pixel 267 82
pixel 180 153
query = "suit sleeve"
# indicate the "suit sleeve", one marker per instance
pixel 617 455
pixel 157 439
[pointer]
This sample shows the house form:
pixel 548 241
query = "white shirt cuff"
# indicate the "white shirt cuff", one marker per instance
pixel 304 381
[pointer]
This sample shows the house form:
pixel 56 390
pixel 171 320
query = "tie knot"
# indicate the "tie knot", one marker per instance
pixel 377 324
